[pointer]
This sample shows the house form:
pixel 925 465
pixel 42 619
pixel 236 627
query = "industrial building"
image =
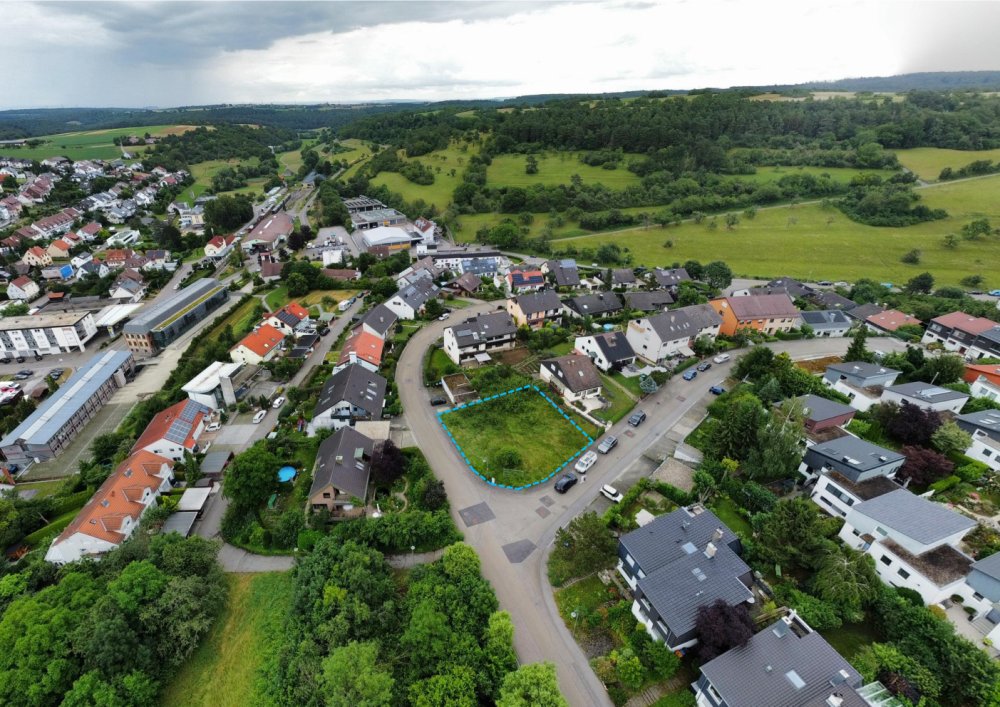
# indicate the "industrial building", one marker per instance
pixel 61 332
pixel 165 321
pixel 57 421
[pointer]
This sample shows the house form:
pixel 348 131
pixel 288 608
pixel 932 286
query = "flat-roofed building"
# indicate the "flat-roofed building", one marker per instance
pixel 158 325
pixel 220 384
pixel 375 218
pixel 58 420
pixel 61 332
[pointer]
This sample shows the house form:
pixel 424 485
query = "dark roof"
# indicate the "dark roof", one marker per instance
pixel 343 461
pixel 826 319
pixel 594 305
pixel 526 279
pixel 832 300
pixel 648 301
pixel 470 282
pixel 564 272
pixel 357 385
pixel 540 301
pixel 989 566
pixel 577 372
pixel 915 517
pixel 380 318
pixel 986 420
pixel 418 292
pixel 614 345
pixel 862 312
pixel 684 322
pixel 863 455
pixel 865 490
pixel 485 326
pixel 817 408
pixel 778 667
pixel 926 392
pixel 793 287
pixel 660 542
pixel 670 278
pixel 848 696
pixel 622 276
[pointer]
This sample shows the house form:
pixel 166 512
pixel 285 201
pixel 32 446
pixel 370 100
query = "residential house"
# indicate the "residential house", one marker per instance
pixel 768 314
pixel 90 231
pixel 423 269
pixel 610 351
pixel 822 413
pixel 58 249
pixel 984 427
pixel 564 272
pixel 468 283
pixel 115 258
pixel 849 470
pixel 36 257
pixel 677 563
pixel 672 333
pixel 350 395
pixel 890 321
pixel 157 260
pixel 984 581
pixel 78 261
pixel 990 373
pixel 600 304
pixel 983 387
pixel 986 344
pixel 426 229
pixel 831 300
pixel 479 336
pixel 125 289
pixel 340 477
pixel 523 278
pixel 535 309
pixel 410 302
pixel 290 320
pixel 56 224
pixel 345 274
pixel 926 396
pixel 259 346
pixel 624 278
pixel 58 272
pixel 478 261
pixel 112 514
pixel 668 279
pixel 783 285
pixel 863 311
pixel 913 542
pixel 786 664
pixel 22 288
pixel 174 431
pixel 862 382
pixel 827 322
pixel 656 301
pixel 362 348
pixel 956 331
pixel 574 376
pixel 219 246
pixel 270 270
pixel 380 321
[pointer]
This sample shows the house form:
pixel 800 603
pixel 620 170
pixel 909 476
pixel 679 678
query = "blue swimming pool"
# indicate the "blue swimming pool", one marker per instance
pixel 286 473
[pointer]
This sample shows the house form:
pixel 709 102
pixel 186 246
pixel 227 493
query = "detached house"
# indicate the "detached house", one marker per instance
pixel 290 320
pixel 984 427
pixel 340 477
pixel 862 382
pixel 479 336
pixel 410 302
pixel 362 348
pixel 350 395
pixel 574 376
pixel 219 246
pixel 379 321
pixel 956 331
pixel 610 351
pixel 624 278
pixel 535 310
pixel 174 431
pixel 827 323
pixel 669 279
pixel 926 396
pixel 22 288
pixel 564 272
pixel 848 471
pixel 822 413
pixel 677 563
pixel 768 314
pixel 890 320
pixel 601 304
pixel 657 301
pixel 58 249
pixel 662 336
pixel 524 279
pixel 259 346
pixel 36 257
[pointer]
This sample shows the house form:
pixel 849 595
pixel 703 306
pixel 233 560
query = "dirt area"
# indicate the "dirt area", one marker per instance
pixel 511 357
pixel 817 365
pixel 676 473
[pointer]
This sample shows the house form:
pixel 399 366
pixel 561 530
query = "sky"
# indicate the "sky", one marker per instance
pixel 164 54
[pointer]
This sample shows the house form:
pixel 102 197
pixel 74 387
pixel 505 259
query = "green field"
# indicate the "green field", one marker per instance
pixel 521 429
pixel 293 160
pixel 439 193
pixel 223 669
pixel 798 241
pixel 927 162
pixel 204 171
pixel 840 175
pixel 91 144
pixel 556 168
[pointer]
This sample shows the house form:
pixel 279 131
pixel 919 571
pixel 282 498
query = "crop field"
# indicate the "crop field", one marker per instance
pixel 91 144
pixel 556 168
pixel 808 241
pixel 927 162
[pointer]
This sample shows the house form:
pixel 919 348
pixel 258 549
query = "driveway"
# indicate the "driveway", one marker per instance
pixel 512 531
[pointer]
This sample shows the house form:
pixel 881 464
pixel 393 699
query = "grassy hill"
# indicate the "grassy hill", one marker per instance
pixel 91 144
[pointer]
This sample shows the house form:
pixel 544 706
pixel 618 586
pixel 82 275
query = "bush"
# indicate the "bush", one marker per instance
pixel 972 471
pixel 946 483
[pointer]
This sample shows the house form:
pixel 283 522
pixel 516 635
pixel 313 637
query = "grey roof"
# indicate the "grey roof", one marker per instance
pixel 468 281
pixel 540 301
pixel 677 590
pixel 576 371
pixel 286 318
pixel 153 316
pixel 817 408
pixel 660 542
pixel 215 461
pixel 915 517
pixel 991 335
pixel 863 311
pixel 417 293
pixel 62 406
pixel 615 346
pixel 989 566
pixel 362 202
pixel 483 328
pixel 649 301
pixel 762 671
pixel 564 272
pixel 670 278
pixel 861 369
pixel 832 300
pixel 986 420
pixel 343 461
pixel 826 319
pixel 684 322
pixel 179 522
pixel 927 392
pixel 790 285
pixel 357 385
pixel 380 318
pixel 594 305
pixel 856 454
pixel 622 276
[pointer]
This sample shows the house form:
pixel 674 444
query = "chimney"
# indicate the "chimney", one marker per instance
pixel 717 535
pixel 710 550
pixel 353 357
pixel 685 525
pixel 834 700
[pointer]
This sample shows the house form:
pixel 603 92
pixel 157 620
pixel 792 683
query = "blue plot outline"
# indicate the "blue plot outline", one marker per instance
pixel 458 447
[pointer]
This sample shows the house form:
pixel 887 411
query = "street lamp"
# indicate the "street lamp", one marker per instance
pixel 576 619
pixel 412 550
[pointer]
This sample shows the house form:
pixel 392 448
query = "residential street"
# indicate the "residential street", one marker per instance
pixel 512 530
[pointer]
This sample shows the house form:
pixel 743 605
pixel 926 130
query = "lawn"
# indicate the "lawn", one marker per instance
pixel 43 488
pixel 92 144
pixel 293 160
pixel 557 168
pixel 518 439
pixel 621 403
pixel 851 638
pixel 584 597
pixel 224 668
pixel 927 162
pixel 631 383
pixel 810 242
pixel 698 438
pixel 730 515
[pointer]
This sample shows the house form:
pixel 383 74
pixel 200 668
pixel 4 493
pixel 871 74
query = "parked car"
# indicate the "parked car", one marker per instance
pixel 721 358
pixel 26 373
pixel 439 400
pixel 444 316
pixel 261 414
pixel 824 283
pixel 584 463
pixel 19 359
pixel 994 293
pixel 608 444
pixel 690 374
pixel 637 418
pixel 704 366
pixel 324 331
pixel 213 427
pixel 611 493
pixel 716 390
pixel 278 402
pixel 5 359
pixel 13 468
pixel 565 483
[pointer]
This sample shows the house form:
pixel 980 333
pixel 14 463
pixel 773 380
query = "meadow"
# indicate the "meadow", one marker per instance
pixel 927 162
pixel 204 171
pixel 439 193
pixel 840 175
pixel 556 168
pixel 91 144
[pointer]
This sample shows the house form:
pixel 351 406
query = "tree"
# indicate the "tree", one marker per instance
pixel 951 241
pixel 792 535
pixel 531 165
pixel 388 464
pixel 720 627
pixel 776 453
pixel 911 257
pixel 858 351
pixel 924 466
pixel 847 580
pixel 251 477
pixel 705 486
pixel 718 275
pixel 878 660
pixel 647 385
pixel 735 436
pixel 910 424
pixel 297 285
pixel 920 284
pixel 941 370
pixel 454 688
pixel 227 213
pixel 498 649
pixel 950 439
pixel 756 364
pixel 586 544
pixel 532 685
pixel 353 676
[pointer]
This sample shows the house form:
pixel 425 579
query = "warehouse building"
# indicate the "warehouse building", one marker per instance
pixel 57 421
pixel 60 332
pixel 158 325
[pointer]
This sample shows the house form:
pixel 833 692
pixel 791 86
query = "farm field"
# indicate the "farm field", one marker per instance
pixel 91 144
pixel 471 223
pixel 797 241
pixel 556 168
pixel 223 669
pixel 927 162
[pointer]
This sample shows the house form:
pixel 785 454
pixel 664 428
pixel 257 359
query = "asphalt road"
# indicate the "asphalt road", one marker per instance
pixel 514 540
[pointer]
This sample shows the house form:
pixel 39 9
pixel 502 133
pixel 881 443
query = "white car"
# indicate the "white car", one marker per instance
pixel 721 358
pixel 443 317
pixel 278 402
pixel 261 414
pixel 586 461
pixel 611 493
pixel 214 426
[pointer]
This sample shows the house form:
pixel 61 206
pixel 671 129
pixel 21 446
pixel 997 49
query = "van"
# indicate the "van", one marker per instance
pixel 261 414
pixel 586 461
pixel 345 305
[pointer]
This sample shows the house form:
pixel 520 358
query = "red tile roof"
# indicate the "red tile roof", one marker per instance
pixel 296 310
pixel 36 251
pixel 965 322
pixel 990 372
pixel 892 319
pixel 262 341
pixel 365 345
pixel 160 425
pixel 22 281
pixel 92 228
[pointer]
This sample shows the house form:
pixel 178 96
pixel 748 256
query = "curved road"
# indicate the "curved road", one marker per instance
pixel 513 543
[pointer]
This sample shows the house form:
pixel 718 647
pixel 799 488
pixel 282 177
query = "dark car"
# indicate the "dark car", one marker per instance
pixel 690 374
pixel 565 483
pixel 716 390
pixel 704 366
pixel 439 400
pixel 637 418
pixel 324 331
pixel 13 468
pixel 5 359
pixel 19 359
pixel 26 373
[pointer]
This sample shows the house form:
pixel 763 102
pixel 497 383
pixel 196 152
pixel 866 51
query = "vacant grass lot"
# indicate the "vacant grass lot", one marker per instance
pixel 439 193
pixel 556 168
pixel 223 669
pixel 517 439
pixel 927 162
pixel 92 144
pixel 204 171
pixel 808 241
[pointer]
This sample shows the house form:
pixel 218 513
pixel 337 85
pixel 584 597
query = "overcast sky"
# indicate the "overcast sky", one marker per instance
pixel 163 54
